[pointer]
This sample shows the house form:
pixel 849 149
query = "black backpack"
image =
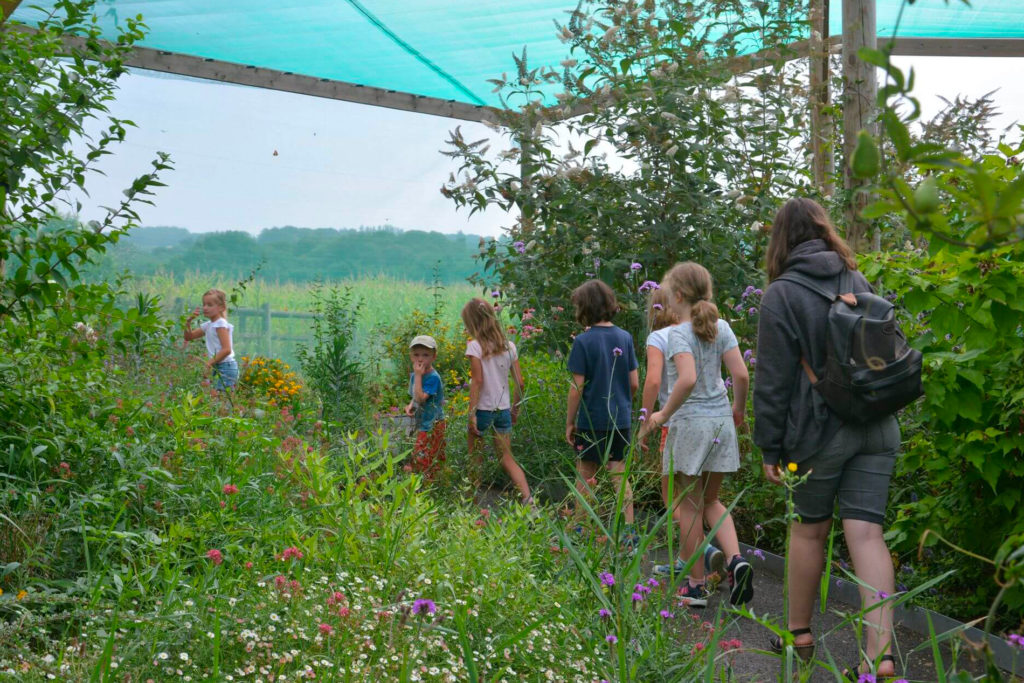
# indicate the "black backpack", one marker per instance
pixel 870 370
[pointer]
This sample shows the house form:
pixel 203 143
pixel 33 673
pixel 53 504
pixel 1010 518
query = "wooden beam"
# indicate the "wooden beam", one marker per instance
pixel 957 47
pixel 7 8
pixel 272 79
pixel 860 87
pixel 819 100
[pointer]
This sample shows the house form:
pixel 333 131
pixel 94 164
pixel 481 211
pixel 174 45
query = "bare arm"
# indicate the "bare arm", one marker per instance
pixel 652 382
pixel 740 383
pixel 573 406
pixel 191 334
pixel 476 383
pixel 634 383
pixel 419 395
pixel 517 390
pixel 687 370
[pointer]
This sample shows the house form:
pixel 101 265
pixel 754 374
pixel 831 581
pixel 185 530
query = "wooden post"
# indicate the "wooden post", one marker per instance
pixel 7 8
pixel 819 54
pixel 860 88
pixel 266 327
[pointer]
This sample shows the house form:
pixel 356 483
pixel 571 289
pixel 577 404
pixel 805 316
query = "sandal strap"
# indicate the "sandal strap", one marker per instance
pixel 887 658
pixel 801 631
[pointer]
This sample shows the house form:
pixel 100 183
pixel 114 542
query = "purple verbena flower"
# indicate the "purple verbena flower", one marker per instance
pixel 653 582
pixel 758 553
pixel 616 352
pixel 519 246
pixel 495 294
pixel 738 308
pixel 423 606
pixel 634 266
pixel 752 311
pixel 637 597
pixel 657 307
pixel 611 638
pixel 748 291
pixel 882 595
pixel 716 441
pixel 758 292
pixel 665 614
pixel 603 613
pixel 648 286
pixel 606 579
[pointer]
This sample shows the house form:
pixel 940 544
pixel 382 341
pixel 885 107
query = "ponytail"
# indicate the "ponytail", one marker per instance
pixel 691 282
pixel 705 320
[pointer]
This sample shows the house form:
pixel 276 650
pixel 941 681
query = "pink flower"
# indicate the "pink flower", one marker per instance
pixel 214 556
pixel 230 489
pixel 291 552
pixel 326 629
pixel 248 565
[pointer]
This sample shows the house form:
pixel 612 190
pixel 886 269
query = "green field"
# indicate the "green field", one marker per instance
pixel 384 301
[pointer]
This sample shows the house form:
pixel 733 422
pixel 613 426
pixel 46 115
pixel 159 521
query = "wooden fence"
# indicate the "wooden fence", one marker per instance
pixel 254 330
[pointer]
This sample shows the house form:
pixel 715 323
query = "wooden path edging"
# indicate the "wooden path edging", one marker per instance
pixel 914 618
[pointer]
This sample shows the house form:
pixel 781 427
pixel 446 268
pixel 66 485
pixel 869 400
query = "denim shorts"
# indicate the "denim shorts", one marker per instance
pixel 854 469
pixel 501 419
pixel 225 374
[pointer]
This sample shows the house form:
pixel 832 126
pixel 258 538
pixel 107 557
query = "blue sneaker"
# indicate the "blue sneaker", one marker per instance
pixel 741 580
pixel 693 596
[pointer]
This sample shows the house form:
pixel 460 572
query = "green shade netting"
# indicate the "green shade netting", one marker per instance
pixel 446 49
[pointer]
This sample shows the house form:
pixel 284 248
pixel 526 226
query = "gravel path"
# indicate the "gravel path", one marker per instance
pixel 836 642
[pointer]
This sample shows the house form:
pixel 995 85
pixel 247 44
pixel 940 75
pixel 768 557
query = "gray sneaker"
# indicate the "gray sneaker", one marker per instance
pixel 714 565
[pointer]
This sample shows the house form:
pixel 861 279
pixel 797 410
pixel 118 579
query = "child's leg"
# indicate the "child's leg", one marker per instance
pixel 617 469
pixel 691 525
pixel 714 510
pixel 503 446
pixel 587 471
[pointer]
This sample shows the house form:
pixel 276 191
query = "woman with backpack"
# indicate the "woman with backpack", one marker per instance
pixel 845 459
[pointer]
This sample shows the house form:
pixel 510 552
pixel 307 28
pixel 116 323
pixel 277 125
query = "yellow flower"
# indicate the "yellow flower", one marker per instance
pixel 22 594
pixel 1 591
pixel 791 467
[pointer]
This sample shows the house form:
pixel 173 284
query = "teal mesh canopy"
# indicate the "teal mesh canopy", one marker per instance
pixel 444 49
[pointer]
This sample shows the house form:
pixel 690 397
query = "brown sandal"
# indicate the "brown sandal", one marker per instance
pixel 804 652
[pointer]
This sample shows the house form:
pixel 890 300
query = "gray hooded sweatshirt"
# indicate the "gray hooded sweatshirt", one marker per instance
pixel 792 421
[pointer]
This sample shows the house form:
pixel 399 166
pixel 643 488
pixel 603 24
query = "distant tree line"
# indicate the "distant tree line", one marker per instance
pixel 291 254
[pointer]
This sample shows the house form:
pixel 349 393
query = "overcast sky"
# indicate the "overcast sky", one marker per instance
pixel 345 165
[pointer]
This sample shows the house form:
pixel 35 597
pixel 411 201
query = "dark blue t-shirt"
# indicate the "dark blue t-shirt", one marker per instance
pixel 432 409
pixel 605 357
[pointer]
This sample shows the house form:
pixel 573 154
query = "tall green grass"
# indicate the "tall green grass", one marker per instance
pixel 384 300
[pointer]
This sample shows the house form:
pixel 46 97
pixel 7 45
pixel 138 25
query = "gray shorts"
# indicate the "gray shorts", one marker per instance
pixel 854 468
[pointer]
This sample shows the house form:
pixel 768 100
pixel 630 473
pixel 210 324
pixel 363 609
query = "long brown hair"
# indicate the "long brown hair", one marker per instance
pixel 691 282
pixel 801 220
pixel 482 324
pixel 659 311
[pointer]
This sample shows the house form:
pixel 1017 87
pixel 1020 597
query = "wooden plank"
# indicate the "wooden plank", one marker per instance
pixel 285 81
pixel 860 86
pixel 957 47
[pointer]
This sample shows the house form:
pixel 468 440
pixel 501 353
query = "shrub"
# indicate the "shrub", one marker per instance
pixel 330 364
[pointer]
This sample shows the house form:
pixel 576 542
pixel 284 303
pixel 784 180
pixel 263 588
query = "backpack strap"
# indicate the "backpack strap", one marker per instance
pixel 844 293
